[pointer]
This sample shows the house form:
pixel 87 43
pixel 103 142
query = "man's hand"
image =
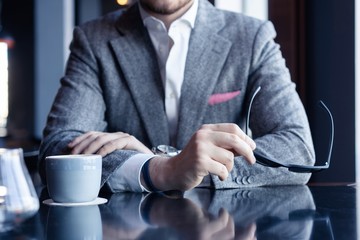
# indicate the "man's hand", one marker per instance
pixel 105 143
pixel 210 150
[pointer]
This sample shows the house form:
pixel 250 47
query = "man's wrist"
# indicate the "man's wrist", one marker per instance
pixel 146 179
pixel 159 173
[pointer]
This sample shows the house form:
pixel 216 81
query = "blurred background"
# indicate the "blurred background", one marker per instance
pixel 317 38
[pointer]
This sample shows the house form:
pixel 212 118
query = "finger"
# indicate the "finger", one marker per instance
pixel 232 129
pixel 249 232
pixel 223 156
pixel 216 168
pixel 135 144
pixel 235 129
pixel 79 139
pixel 228 229
pixel 244 150
pixel 110 147
pixel 98 142
pixel 81 147
pixel 234 143
pixel 123 142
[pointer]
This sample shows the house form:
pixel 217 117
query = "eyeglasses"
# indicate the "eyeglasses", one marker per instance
pixel 268 162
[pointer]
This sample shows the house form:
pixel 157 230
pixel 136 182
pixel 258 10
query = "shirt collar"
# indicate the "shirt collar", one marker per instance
pixel 188 17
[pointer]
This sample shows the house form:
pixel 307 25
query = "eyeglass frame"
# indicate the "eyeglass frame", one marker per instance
pixel 267 162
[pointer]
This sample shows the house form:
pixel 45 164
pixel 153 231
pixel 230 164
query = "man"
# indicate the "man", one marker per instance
pixel 179 73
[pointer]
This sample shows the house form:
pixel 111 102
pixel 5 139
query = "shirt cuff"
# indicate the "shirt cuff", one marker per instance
pixel 127 177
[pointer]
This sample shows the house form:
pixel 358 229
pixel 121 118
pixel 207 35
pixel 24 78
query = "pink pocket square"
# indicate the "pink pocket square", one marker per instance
pixel 222 97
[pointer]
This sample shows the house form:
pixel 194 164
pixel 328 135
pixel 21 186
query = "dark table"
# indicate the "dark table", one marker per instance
pixel 287 212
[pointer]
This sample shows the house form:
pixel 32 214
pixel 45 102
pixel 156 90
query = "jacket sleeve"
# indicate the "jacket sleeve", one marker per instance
pixel 278 121
pixel 79 107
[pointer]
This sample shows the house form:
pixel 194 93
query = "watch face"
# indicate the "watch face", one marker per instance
pixel 166 150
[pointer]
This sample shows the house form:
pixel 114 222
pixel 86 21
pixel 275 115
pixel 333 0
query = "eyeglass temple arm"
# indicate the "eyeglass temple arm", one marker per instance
pixel 331 141
pixel 322 104
pixel 249 110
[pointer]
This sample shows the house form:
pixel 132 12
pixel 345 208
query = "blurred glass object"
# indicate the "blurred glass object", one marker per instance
pixel 18 199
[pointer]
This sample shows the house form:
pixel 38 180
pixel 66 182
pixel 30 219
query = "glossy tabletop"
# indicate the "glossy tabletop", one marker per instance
pixel 290 212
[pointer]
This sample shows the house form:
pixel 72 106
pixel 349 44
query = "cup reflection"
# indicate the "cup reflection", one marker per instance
pixel 80 222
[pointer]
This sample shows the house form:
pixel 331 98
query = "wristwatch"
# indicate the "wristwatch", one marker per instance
pixel 165 150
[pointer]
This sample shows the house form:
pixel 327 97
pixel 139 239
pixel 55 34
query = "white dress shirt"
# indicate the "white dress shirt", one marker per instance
pixel 171 47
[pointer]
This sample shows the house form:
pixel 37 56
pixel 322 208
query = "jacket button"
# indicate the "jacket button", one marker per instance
pixel 244 180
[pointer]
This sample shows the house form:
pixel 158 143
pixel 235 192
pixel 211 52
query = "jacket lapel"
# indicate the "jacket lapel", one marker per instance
pixel 206 55
pixel 138 63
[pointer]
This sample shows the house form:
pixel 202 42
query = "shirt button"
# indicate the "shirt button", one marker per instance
pixel 172 95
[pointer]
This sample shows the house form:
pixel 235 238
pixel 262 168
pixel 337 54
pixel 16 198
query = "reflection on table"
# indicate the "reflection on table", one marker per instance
pixel 287 212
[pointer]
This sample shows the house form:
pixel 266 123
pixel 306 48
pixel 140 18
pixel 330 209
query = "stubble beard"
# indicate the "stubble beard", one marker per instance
pixel 164 7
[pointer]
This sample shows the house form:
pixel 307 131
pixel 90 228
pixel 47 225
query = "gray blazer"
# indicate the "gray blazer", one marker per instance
pixel 112 83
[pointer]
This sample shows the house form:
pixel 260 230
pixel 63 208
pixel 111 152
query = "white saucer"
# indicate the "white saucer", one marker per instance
pixel 97 201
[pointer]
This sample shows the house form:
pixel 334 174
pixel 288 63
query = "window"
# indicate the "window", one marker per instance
pixel 4 96
pixel 357 89
pixel 254 8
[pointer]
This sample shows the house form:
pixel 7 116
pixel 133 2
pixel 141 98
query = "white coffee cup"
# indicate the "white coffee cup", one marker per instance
pixel 73 178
